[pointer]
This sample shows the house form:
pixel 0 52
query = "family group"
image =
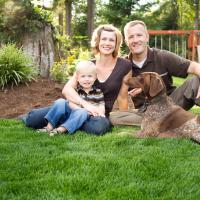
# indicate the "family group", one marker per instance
pixel 95 86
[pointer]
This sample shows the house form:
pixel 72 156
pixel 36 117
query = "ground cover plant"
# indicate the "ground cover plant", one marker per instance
pixel 82 166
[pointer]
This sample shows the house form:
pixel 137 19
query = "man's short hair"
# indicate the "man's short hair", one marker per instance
pixel 133 23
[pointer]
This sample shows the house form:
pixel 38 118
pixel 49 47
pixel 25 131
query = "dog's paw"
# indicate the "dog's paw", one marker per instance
pixel 141 134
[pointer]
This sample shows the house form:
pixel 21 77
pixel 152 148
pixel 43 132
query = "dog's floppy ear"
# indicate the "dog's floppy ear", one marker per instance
pixel 156 85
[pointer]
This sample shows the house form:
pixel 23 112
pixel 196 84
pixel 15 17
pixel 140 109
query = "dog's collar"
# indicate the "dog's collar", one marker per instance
pixel 158 98
pixel 143 108
pixel 148 102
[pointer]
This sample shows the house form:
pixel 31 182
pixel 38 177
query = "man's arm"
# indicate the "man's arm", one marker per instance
pixel 70 93
pixel 122 98
pixel 194 68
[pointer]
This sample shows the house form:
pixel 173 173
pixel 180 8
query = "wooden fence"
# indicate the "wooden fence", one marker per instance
pixel 185 43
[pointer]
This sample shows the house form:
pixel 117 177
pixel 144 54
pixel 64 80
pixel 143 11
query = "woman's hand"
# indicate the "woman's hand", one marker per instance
pixel 93 110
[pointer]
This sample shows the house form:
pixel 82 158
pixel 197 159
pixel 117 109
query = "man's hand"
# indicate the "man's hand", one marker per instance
pixel 134 92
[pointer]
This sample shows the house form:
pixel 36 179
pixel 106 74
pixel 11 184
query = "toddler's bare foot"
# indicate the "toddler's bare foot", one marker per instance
pixel 56 131
pixel 61 129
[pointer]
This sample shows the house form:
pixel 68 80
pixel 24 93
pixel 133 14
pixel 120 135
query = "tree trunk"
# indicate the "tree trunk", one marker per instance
pixel 68 8
pixel 40 47
pixel 196 20
pixel 60 19
pixel 90 16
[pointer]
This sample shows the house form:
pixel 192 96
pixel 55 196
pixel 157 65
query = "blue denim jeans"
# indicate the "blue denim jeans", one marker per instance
pixel 93 125
pixel 60 114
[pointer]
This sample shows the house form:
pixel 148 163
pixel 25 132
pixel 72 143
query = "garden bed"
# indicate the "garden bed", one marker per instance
pixel 18 100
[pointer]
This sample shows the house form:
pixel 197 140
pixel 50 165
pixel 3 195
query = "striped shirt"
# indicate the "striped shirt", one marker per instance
pixel 94 96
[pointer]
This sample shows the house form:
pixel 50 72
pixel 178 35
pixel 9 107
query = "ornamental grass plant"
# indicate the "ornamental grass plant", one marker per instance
pixel 15 66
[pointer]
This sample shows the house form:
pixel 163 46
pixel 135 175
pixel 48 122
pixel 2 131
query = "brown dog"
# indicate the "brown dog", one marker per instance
pixel 162 117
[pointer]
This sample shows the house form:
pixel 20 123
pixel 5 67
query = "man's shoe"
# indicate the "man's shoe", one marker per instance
pixel 22 117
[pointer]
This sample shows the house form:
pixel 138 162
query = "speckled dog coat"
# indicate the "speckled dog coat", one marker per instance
pixel 162 117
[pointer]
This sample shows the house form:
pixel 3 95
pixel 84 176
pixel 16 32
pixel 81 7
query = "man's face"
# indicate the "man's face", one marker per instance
pixel 137 39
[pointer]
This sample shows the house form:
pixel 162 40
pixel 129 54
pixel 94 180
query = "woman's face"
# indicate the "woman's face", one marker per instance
pixel 107 42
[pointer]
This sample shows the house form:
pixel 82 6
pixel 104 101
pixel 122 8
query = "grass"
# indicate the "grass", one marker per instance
pixel 114 166
pixel 83 167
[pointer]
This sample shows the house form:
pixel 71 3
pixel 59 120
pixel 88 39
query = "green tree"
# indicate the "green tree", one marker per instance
pixel 90 16
pixel 20 16
pixel 118 11
pixel 189 11
pixel 186 14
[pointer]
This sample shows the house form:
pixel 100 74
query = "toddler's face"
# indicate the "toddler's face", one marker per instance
pixel 86 79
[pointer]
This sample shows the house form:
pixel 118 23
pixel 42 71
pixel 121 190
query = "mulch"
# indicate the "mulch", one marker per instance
pixel 18 100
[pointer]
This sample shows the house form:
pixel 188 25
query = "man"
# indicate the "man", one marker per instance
pixel 165 63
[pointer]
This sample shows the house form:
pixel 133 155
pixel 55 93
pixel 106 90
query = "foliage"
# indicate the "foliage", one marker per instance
pixel 116 11
pixel 58 71
pixel 186 13
pixel 45 15
pixel 18 17
pixel 66 43
pixel 15 66
pixel 165 17
pixel 79 19
pixel 62 70
pixel 115 166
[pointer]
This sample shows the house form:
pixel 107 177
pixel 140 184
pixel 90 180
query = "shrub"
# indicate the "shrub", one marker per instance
pixel 59 71
pixel 62 70
pixel 15 66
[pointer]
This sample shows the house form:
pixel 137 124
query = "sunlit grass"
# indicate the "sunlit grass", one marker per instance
pixel 178 81
pixel 111 167
pixel 82 166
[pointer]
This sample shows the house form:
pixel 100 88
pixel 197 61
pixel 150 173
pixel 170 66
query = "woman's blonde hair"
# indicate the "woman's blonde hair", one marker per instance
pixel 96 38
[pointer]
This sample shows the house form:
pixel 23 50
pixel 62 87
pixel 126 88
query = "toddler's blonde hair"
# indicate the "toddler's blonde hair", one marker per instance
pixel 86 66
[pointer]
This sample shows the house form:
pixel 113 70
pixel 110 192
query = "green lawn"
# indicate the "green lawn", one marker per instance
pixel 114 166
pixel 111 167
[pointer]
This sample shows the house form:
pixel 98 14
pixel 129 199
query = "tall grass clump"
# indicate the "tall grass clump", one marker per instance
pixel 15 66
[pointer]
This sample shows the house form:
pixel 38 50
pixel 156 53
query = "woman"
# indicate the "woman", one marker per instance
pixel 112 71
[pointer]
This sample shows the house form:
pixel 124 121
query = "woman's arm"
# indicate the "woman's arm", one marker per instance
pixel 73 105
pixel 70 93
pixel 122 98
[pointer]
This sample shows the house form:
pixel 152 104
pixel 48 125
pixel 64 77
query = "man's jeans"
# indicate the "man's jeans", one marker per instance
pixel 93 125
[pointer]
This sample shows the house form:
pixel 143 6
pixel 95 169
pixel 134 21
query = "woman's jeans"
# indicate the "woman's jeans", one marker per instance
pixel 93 125
pixel 60 114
